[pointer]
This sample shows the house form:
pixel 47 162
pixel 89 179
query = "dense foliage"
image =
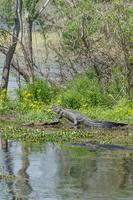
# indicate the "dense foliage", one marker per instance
pixel 98 35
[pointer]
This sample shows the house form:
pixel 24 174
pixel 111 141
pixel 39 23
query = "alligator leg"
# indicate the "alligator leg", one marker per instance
pixel 74 125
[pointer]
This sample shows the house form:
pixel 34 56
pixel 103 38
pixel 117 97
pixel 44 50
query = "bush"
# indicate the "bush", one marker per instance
pixel 71 101
pixel 84 91
pixel 6 105
pixel 34 96
pixel 39 91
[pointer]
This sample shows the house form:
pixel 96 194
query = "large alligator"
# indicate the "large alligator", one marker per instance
pixel 77 118
pixel 103 146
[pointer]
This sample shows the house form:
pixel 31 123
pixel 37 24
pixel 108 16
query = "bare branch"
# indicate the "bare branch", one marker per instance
pixel 43 7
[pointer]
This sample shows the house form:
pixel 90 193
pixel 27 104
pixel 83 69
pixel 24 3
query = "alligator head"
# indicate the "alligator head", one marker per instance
pixel 56 109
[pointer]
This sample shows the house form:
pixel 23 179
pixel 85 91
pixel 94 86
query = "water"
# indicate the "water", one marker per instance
pixel 63 172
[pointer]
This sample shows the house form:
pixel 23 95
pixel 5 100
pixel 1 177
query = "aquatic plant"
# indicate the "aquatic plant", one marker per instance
pixel 13 132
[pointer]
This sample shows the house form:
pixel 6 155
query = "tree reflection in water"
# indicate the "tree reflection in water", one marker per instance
pixel 65 172
pixel 22 186
pixel 103 174
pixel 7 166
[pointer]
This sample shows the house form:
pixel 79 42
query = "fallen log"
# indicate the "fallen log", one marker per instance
pixel 77 118
pixel 52 123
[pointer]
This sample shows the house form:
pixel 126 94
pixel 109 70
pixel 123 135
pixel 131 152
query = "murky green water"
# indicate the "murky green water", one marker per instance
pixel 62 172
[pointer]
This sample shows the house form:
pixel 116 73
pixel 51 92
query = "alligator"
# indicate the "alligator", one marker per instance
pixel 77 118
pixel 103 146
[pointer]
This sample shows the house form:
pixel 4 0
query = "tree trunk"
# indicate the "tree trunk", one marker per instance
pixel 12 47
pixel 27 45
pixel 15 66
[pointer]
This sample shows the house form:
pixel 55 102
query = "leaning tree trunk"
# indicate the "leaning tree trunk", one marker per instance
pixel 27 44
pixel 12 47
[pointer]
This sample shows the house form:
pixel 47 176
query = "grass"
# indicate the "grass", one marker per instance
pixel 121 112
pixel 39 116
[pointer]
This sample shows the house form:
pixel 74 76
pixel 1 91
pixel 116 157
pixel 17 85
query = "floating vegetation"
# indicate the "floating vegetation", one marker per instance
pixel 18 133
pixel 37 135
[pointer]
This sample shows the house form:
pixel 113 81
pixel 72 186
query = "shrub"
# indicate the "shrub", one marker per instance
pixel 84 91
pixel 39 91
pixel 71 101
pixel 6 105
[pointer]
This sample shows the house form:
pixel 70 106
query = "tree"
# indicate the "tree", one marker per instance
pixel 30 15
pixel 120 21
pixel 24 23
pixel 12 47
pixel 97 35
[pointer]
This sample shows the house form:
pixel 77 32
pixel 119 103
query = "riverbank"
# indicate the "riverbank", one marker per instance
pixel 14 131
pixel 24 126
pixel 33 106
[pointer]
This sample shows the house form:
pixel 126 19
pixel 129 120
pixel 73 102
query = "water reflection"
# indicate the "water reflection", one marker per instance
pixel 6 167
pixel 54 172
pixel 18 188
pixel 22 186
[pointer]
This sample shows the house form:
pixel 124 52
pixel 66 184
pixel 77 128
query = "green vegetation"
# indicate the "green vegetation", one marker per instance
pixel 84 94
pixel 34 96
pixel 6 105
